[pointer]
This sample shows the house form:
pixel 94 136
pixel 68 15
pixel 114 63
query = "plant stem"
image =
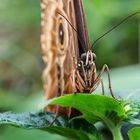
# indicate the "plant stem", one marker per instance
pixel 116 132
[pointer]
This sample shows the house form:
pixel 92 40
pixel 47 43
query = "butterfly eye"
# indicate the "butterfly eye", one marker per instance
pixel 83 57
pixel 61 34
pixel 94 56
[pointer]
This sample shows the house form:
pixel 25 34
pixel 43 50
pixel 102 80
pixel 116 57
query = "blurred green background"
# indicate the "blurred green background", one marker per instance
pixel 21 63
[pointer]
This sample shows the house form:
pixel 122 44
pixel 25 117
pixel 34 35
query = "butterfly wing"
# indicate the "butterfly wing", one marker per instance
pixel 60 46
pixel 84 45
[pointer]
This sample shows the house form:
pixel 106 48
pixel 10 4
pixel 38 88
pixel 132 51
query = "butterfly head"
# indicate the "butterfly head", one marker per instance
pixel 87 60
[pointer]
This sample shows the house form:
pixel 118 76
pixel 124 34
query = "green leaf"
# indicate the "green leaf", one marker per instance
pixel 94 107
pixel 132 111
pixel 70 133
pixel 134 134
pixel 31 120
pixel 134 121
pixel 42 121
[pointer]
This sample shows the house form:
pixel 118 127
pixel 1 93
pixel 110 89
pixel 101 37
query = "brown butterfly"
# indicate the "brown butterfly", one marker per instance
pixel 70 63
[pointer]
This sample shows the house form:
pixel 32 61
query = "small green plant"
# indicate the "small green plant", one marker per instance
pixel 95 110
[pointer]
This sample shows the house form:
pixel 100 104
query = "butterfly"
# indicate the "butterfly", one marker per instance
pixel 69 62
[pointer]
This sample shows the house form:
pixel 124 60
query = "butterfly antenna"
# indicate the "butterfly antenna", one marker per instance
pixel 80 40
pixel 95 42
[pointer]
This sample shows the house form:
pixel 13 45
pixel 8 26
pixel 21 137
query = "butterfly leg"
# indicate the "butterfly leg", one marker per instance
pixel 98 79
pixel 80 84
pixel 60 91
pixel 95 86
pixel 103 90
pixel 55 117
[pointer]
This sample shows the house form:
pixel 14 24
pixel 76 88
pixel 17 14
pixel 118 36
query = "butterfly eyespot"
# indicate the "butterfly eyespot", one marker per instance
pixel 61 34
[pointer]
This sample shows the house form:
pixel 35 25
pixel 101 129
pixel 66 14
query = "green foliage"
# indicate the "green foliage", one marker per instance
pixel 42 121
pixel 134 134
pixel 31 120
pixel 70 133
pixel 9 13
pixel 123 41
pixel 14 133
pixel 94 108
